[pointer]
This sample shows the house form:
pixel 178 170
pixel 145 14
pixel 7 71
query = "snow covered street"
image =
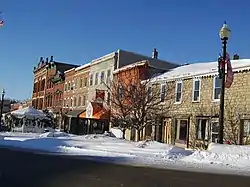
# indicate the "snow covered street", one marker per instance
pixel 149 153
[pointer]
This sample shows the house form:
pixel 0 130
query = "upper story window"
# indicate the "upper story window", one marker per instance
pixel 79 101
pixel 108 76
pixel 163 92
pixel 80 84
pixel 178 92
pixel 96 78
pixel 69 86
pixel 149 93
pixel 216 88
pixel 102 76
pixel 91 80
pixel 65 87
pixel 85 82
pixel 196 89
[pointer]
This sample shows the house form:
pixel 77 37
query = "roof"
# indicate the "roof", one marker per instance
pixel 69 70
pixel 82 66
pixel 130 66
pixel 200 69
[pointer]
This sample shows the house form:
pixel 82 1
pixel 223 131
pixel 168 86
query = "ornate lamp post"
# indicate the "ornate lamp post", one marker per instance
pixel 1 108
pixel 224 36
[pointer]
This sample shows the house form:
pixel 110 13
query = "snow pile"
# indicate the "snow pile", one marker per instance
pixel 116 132
pixel 227 155
pixel 54 134
pixel 126 152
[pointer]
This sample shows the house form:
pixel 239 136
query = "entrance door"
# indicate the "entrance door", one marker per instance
pixel 181 131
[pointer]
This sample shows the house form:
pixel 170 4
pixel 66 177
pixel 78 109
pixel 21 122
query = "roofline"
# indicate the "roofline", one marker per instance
pixel 208 73
pixel 69 70
pixel 82 66
pixel 103 58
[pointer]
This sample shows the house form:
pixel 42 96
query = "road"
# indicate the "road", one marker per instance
pixel 35 170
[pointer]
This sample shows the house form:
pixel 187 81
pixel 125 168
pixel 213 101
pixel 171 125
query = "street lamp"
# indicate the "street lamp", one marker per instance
pixel 224 36
pixel 1 109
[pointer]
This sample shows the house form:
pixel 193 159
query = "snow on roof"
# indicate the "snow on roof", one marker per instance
pixel 200 69
pixel 130 66
pixel 69 70
pixel 82 66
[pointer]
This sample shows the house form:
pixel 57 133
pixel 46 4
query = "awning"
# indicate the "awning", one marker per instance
pixel 101 114
pixel 74 113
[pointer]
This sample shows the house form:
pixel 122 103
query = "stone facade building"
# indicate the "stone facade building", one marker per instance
pixel 192 119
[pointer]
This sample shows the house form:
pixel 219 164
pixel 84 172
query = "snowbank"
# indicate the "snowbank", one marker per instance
pixel 116 132
pixel 148 153
pixel 229 149
pixel 54 134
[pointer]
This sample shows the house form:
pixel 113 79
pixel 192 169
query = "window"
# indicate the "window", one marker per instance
pixel 91 80
pixel 108 98
pixel 202 129
pixel 69 85
pixel 214 130
pixel 71 102
pixel 76 84
pixel 217 88
pixel 163 92
pixel 80 84
pixel 65 87
pixel 246 128
pixel 85 81
pixel 84 100
pixel 178 92
pixel 108 76
pixel 96 78
pixel 149 93
pixel 196 90
pixel 120 92
pixel 102 77
pixel 79 101
pixel 74 101
pixel 65 103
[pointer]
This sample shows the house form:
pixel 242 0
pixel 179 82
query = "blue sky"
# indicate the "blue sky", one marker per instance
pixel 79 30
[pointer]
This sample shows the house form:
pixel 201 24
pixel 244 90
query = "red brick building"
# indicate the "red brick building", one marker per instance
pixel 49 84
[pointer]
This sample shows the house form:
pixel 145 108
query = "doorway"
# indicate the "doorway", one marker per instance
pixel 181 131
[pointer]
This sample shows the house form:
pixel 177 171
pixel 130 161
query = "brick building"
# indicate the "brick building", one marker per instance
pixel 48 84
pixel 193 117
pixel 69 92
pixel 82 85
pixel 132 74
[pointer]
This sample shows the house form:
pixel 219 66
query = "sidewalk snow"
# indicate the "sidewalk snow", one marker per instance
pixel 148 153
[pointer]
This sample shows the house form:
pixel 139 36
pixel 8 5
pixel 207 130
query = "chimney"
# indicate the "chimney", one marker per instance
pixel 236 57
pixel 155 53
pixel 51 59
pixel 41 59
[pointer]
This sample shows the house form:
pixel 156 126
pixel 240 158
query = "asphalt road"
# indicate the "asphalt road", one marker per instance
pixel 22 169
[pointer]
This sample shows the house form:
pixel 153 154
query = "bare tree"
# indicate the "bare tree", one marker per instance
pixel 137 104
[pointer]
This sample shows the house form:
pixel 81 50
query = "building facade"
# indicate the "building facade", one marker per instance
pixel 193 119
pixel 133 74
pixel 48 84
pixel 101 70
pixel 82 86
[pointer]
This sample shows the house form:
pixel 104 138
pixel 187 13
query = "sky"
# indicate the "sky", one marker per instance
pixel 78 31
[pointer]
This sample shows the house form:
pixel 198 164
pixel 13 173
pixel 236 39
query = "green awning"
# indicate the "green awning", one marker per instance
pixel 74 113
